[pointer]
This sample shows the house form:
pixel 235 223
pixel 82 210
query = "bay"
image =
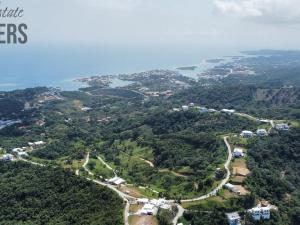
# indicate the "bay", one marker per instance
pixel 57 66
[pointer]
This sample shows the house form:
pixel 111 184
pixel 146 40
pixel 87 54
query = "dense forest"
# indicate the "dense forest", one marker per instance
pixel 275 166
pixel 37 195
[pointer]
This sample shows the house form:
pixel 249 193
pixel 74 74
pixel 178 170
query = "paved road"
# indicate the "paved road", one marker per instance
pixel 124 196
pixel 254 118
pixel 179 214
pixel 148 162
pixel 246 115
pixel 181 210
pixel 33 163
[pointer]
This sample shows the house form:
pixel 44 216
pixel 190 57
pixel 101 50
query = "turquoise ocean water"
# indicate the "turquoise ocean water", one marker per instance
pixel 57 66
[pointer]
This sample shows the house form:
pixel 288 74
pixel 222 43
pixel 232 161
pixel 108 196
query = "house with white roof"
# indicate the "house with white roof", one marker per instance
pixel 142 200
pixel 264 120
pixel 158 202
pixel 255 213
pixel 260 213
pixel 203 110
pixel 228 111
pixel 212 110
pixel 86 109
pixel 262 132
pixel 36 144
pixel 23 154
pixel 149 209
pixel 265 213
pixel 233 218
pixel 116 181
pixel 16 150
pixel 246 134
pixel 185 108
pixel 282 127
pixel 231 187
pixel 191 104
pixel 238 153
pixel 7 157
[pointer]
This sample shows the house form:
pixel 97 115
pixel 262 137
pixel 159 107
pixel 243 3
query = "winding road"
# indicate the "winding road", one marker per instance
pixel 122 195
pixel 126 198
pixel 179 214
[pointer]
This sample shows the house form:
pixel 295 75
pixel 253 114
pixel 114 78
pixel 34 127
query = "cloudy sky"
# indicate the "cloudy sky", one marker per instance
pixel 215 23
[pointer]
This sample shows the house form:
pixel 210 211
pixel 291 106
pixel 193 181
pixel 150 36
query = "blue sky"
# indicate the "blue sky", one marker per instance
pixel 211 23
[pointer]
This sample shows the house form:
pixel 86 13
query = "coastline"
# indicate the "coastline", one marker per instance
pixel 73 83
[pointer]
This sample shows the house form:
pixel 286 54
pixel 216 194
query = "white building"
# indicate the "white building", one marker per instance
pixel 86 109
pixel 231 187
pixel 246 134
pixel 233 218
pixel 238 153
pixel 116 181
pixel 36 144
pixel 265 213
pixel 185 108
pixel 261 132
pixel 228 111
pixel 142 200
pixel 7 157
pixel 22 154
pixel 259 213
pixel 212 110
pixel 203 110
pixel 158 202
pixel 191 104
pixel 16 150
pixel 264 120
pixel 149 209
pixel 255 213
pixel 282 127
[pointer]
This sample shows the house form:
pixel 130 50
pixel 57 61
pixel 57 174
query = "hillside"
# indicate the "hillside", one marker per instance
pixel 35 195
pixel 276 174
pixel 256 100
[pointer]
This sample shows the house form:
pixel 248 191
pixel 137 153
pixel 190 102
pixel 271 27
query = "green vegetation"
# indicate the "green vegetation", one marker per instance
pixel 99 169
pixel 161 152
pixel 164 217
pixel 203 218
pixel 37 195
pixel 274 163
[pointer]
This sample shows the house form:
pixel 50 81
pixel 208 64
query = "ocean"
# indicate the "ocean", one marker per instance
pixel 57 66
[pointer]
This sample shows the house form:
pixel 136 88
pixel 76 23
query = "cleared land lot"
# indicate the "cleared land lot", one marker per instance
pixel 142 220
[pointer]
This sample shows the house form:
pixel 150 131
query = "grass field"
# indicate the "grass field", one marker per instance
pixel 211 203
pixel 99 169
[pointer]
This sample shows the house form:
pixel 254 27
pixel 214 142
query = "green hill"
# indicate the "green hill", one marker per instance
pixel 35 195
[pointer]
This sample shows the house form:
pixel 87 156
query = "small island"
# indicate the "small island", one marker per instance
pixel 187 68
pixel 214 60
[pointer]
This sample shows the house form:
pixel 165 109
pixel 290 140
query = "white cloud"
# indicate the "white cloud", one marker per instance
pixel 272 11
